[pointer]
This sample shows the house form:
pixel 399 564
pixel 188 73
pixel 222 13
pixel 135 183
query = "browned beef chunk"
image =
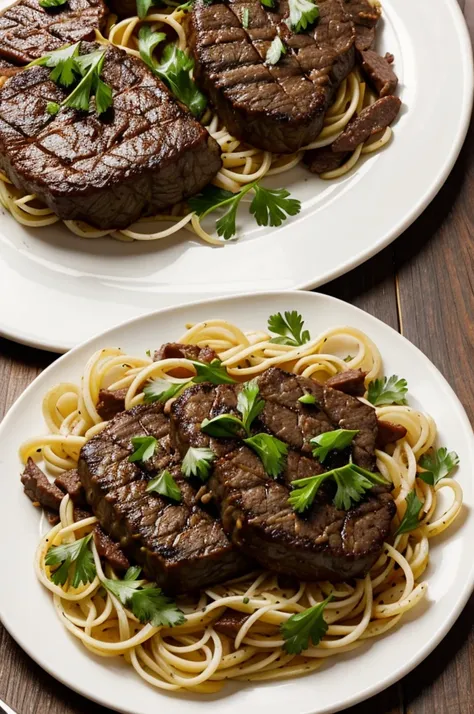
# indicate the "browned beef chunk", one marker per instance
pixel 230 623
pixel 371 120
pixel 80 514
pixel 175 350
pixel 280 107
pixel 325 159
pixel 350 382
pixel 38 488
pixel 365 37
pixel 379 72
pixel 388 433
pixel 145 154
pixel 28 31
pixel 70 483
pixel 109 550
pixel 52 516
pixel 365 17
pixel 111 402
pixel 181 546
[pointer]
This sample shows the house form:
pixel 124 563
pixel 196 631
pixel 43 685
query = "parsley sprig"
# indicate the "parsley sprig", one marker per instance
pixel 305 627
pixel 160 390
pixel 352 482
pixel 303 13
pixel 75 561
pixel 438 465
pixel 411 519
pixel 144 448
pixel 270 450
pixel 332 441
pixel 165 485
pixel 289 327
pixel 197 462
pixel 389 390
pixel 147 603
pixel 51 3
pixel 268 206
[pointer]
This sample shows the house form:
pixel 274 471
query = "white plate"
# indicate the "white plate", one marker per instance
pixel 48 276
pixel 26 608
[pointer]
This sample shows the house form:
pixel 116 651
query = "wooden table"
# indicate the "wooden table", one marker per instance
pixel 423 286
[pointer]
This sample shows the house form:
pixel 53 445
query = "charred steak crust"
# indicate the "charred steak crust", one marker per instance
pixel 180 546
pixel 277 108
pixel 145 154
pixel 28 31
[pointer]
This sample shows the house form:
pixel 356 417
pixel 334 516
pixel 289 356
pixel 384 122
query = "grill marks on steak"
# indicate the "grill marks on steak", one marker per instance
pixel 180 545
pixel 28 31
pixel 145 154
pixel 277 108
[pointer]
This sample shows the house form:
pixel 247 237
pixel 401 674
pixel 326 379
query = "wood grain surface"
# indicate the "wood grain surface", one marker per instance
pixel 422 285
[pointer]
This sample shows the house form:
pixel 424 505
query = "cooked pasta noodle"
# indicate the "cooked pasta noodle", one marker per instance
pixel 194 655
pixel 242 163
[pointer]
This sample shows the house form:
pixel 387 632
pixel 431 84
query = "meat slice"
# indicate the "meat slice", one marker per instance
pixel 70 483
pixel 111 402
pixel 379 72
pixel 388 433
pixel 176 350
pixel 181 546
pixel 280 107
pixel 325 159
pixel 39 489
pixel 230 622
pixel 325 544
pixel 28 31
pixel 146 153
pixel 109 550
pixel 350 382
pixel 371 120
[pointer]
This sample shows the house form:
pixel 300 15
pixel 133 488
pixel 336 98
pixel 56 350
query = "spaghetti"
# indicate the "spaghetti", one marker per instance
pixel 242 163
pixel 194 655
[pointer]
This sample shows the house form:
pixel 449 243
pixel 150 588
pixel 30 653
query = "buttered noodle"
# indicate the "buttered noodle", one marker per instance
pixel 194 655
pixel 241 162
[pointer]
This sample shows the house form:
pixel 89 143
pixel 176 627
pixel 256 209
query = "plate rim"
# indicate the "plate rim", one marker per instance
pixel 468 586
pixel 461 32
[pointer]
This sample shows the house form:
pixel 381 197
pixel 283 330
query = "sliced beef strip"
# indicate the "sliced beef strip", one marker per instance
pixel 325 544
pixel 280 107
pixel 371 120
pixel 111 402
pixel 145 154
pixel 388 433
pixel 28 31
pixel 365 38
pixel 350 382
pixel 230 622
pixel 70 483
pixel 325 159
pixel 181 546
pixel 39 489
pixel 109 550
pixel 176 350
pixel 365 17
pixel 379 72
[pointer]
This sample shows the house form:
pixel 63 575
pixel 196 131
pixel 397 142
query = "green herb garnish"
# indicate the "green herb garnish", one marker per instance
pixel 51 3
pixel 62 62
pixel 147 603
pixel 175 71
pixel 143 6
pixel 307 399
pixel 245 18
pixel 332 441
pixel 275 51
pixel 410 520
pixel 144 448
pixel 289 328
pixel 90 84
pixel 271 452
pixel 305 627
pixel 249 405
pixel 77 555
pixel 389 390
pixel 160 390
pixel 148 41
pixel 52 108
pixel 197 462
pixel 165 485
pixel 438 465
pixel 213 372
pixel 302 14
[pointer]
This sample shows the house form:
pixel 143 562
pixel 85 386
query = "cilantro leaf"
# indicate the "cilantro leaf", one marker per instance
pixel 267 3
pixel 307 399
pixel 52 108
pixel 274 53
pixel 132 573
pixel 214 373
pixel 62 62
pixel 249 404
pixel 144 448
pixel 51 3
pixel 90 65
pixel 223 426
pixel 389 390
pixel 103 96
pixel 143 6
pixel 197 462
pixel 245 18
pixel 289 327
pixel 302 498
pixel 175 71
pixel 148 41
pixel 209 199
pixel 305 627
pixel 302 14
pixel 271 452
pixel 148 603
pixel 410 520
pixel 332 441
pixel 165 485
pixel 351 487
pixel 160 390
pixel 437 465
pixel 216 199
pixel 270 206
pixel 77 554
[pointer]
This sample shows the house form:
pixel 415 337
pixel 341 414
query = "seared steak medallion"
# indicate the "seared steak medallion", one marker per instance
pixel 144 154
pixel 181 546
pixel 278 108
pixel 28 31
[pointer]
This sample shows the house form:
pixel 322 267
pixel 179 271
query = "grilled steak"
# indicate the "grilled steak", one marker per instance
pixel 326 542
pixel 39 489
pixel 109 550
pixel 28 31
pixel 379 72
pixel 146 153
pixel 371 120
pixel 111 402
pixel 70 483
pixel 180 546
pixel 280 107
